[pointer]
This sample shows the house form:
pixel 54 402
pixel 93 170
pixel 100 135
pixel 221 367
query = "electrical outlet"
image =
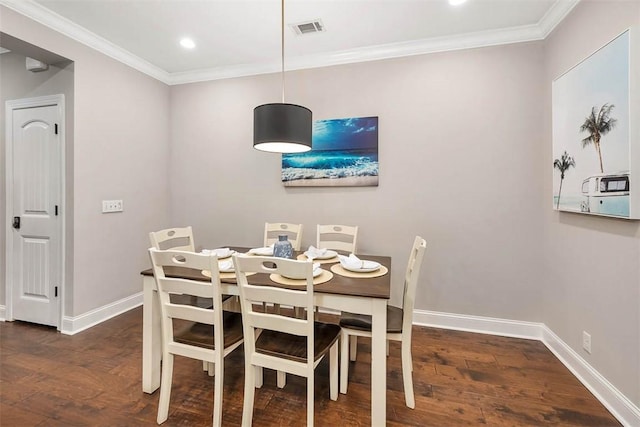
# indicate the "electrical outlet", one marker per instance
pixel 586 342
pixel 111 206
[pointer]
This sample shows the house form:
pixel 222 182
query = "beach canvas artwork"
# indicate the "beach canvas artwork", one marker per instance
pixel 344 154
pixel 595 157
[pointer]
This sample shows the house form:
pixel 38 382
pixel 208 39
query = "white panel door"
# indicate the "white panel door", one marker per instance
pixel 36 232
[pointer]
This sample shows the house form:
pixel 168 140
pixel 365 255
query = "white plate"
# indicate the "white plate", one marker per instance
pixel 367 267
pixel 316 273
pixel 266 251
pixel 327 255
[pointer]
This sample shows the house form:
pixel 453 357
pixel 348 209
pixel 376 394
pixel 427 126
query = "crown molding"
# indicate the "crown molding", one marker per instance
pixel 369 53
pixel 46 17
pixel 558 11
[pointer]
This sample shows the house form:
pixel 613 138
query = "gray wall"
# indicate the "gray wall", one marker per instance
pixel 459 164
pixel 592 264
pixel 120 151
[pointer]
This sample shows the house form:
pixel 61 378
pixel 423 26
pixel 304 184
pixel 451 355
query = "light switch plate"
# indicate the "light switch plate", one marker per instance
pixel 109 206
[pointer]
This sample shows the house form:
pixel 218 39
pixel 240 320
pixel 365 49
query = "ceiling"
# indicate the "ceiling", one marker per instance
pixel 242 37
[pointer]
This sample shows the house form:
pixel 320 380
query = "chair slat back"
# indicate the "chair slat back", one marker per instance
pixel 280 323
pixel 277 296
pixel 190 313
pixel 411 281
pixel 180 239
pixel 293 232
pixel 169 286
pixel 341 238
pixel 253 297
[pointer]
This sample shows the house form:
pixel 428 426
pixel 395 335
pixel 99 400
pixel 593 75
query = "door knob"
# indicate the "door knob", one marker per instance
pixel 16 222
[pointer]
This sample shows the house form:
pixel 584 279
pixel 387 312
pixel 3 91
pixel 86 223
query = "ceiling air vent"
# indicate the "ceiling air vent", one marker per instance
pixel 308 27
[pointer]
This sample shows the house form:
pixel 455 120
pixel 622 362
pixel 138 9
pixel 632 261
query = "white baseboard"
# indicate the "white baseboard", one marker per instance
pixel 3 313
pixel 617 403
pixel 482 325
pixel 73 325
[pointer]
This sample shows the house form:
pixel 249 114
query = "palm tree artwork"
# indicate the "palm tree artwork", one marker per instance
pixel 563 164
pixel 597 125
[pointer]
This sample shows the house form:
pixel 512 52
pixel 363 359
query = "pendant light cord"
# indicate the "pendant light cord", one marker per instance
pixel 282 44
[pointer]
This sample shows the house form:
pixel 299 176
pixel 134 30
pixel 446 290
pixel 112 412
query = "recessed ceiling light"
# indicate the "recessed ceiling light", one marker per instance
pixel 187 43
pixel 456 2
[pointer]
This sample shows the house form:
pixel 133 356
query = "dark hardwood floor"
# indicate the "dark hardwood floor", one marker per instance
pixel 93 379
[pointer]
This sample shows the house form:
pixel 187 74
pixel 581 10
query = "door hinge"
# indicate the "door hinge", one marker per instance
pixel 56 292
pixel 56 129
pixel 56 210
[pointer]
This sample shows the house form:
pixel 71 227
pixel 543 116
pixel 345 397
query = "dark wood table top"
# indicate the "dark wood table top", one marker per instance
pixel 374 287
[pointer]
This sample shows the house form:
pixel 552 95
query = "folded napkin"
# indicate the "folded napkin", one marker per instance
pixel 226 266
pixel 352 262
pixel 265 251
pixel 224 252
pixel 220 252
pixel 314 252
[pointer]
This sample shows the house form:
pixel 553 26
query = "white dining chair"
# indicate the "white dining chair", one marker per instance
pixel 399 321
pixel 293 232
pixel 209 334
pixel 342 238
pixel 286 344
pixel 178 239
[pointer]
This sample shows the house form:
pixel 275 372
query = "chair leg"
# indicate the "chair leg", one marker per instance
pixel 211 368
pixel 258 376
pixel 165 387
pixel 281 379
pixel 217 391
pixel 310 399
pixel 232 304
pixel 353 347
pixel 407 368
pixel 333 371
pixel 250 379
pixel 344 361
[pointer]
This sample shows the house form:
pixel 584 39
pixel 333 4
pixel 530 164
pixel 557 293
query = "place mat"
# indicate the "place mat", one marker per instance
pixel 227 275
pixel 303 257
pixel 325 276
pixel 338 269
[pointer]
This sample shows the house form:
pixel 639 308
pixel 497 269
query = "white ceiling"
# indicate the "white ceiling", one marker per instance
pixel 242 37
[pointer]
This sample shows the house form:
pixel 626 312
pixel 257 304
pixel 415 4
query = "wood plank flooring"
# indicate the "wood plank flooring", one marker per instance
pixel 460 379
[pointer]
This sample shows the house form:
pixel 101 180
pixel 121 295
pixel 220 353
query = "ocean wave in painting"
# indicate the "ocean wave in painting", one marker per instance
pixel 329 164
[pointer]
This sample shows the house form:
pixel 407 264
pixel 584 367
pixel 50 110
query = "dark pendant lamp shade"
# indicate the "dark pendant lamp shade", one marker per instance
pixel 282 128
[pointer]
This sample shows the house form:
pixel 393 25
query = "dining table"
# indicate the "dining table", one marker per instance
pixel 361 295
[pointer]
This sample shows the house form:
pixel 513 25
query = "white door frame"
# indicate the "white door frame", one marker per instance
pixel 10 107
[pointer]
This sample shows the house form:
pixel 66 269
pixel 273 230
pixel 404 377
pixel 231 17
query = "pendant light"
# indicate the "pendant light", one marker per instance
pixel 282 127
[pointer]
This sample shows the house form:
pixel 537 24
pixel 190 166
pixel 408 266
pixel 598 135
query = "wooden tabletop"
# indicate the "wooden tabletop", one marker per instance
pixel 375 287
